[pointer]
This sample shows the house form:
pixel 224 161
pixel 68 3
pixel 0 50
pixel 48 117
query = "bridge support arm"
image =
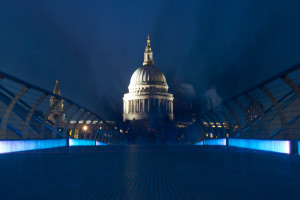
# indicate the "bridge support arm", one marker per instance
pixel 265 123
pixel 8 111
pixel 235 117
pixel 292 85
pixel 30 114
pixel 283 120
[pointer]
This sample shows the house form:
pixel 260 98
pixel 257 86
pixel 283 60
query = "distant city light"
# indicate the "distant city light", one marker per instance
pixel 85 128
pixel 214 125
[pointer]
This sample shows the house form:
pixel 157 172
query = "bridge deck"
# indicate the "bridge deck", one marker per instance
pixel 149 172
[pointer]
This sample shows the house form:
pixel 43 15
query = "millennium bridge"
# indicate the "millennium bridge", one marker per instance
pixel 247 148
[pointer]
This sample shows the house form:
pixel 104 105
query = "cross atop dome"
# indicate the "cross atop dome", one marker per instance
pixel 56 89
pixel 148 55
pixel 148 42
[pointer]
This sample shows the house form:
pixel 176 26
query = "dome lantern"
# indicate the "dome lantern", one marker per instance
pixel 148 55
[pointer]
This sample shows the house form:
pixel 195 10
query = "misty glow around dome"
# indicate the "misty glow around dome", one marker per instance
pixel 148 91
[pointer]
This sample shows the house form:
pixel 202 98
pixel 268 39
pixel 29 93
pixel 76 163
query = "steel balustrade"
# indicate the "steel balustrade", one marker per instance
pixel 275 116
pixel 25 109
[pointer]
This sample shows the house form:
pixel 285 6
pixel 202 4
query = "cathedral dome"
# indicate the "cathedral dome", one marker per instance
pixel 148 75
pixel 148 95
pixel 148 78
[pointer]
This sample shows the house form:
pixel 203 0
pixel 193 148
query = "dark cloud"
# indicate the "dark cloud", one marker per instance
pixel 93 47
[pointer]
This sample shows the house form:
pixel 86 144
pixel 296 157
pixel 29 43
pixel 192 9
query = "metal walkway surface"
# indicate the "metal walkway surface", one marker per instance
pixel 149 172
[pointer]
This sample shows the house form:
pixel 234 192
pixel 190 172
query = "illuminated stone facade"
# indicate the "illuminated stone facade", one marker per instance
pixel 148 92
pixel 58 105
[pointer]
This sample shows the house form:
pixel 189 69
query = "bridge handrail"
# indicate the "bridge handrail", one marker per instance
pixel 28 86
pixel 229 111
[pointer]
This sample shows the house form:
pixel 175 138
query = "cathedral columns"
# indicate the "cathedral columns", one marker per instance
pixel 128 102
pixel 124 106
pixel 143 105
pixel 147 107
pixel 132 107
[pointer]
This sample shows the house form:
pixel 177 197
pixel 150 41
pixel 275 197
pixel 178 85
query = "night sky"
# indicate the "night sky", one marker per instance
pixel 93 47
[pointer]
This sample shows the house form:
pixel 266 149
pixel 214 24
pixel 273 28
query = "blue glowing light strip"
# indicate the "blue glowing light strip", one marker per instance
pixel 8 146
pixel 299 147
pixel 199 143
pixel 100 143
pixel 80 142
pixel 280 146
pixel 221 141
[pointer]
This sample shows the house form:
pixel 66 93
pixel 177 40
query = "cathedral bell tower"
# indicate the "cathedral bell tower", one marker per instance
pixel 58 107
